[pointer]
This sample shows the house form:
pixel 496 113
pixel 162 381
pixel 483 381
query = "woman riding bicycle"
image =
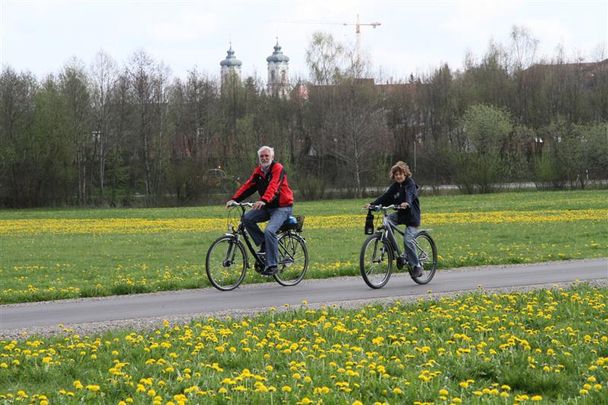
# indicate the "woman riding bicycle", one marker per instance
pixel 275 205
pixel 404 194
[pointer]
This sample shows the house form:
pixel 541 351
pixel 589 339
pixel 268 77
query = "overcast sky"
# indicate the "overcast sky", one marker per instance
pixel 416 36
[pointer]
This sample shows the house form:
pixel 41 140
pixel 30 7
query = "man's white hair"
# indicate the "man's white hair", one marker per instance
pixel 268 148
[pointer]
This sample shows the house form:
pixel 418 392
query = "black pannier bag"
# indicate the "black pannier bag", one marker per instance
pixel 369 223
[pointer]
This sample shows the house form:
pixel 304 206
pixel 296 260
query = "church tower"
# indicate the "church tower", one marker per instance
pixel 278 73
pixel 231 67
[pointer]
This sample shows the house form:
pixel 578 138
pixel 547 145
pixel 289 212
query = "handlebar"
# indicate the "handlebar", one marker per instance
pixel 243 204
pixel 384 207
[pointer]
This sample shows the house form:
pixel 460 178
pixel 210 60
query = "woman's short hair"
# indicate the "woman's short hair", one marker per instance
pixel 400 167
pixel 271 150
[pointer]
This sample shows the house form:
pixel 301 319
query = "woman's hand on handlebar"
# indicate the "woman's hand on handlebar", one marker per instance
pixel 230 203
pixel 401 206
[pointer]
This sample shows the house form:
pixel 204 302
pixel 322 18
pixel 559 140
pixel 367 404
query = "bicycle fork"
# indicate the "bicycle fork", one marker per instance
pixel 229 259
pixel 379 257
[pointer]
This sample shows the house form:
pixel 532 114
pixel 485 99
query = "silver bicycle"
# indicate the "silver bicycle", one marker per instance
pixel 381 251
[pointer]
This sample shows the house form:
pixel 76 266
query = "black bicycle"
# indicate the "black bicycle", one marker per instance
pixel 227 258
pixel 381 249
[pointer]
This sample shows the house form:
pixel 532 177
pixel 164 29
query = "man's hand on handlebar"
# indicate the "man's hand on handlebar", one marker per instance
pixel 230 203
pixel 258 205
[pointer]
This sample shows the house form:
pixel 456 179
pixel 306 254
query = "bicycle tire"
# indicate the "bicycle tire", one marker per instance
pixel 427 255
pixel 376 261
pixel 293 259
pixel 226 263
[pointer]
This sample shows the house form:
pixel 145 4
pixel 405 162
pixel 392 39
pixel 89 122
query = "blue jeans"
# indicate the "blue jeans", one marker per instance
pixel 408 240
pixel 275 218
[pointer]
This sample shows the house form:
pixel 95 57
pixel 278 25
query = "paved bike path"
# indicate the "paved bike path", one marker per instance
pixel 187 304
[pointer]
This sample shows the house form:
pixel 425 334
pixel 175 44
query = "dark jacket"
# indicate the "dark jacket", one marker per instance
pixel 400 193
pixel 272 187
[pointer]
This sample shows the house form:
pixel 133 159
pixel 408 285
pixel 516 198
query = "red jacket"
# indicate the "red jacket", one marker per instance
pixel 273 187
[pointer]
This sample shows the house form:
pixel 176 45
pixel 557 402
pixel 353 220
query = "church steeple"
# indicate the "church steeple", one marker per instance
pixel 231 66
pixel 278 72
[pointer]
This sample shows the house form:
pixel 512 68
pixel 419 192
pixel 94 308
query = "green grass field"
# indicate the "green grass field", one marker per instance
pixel 57 254
pixel 545 347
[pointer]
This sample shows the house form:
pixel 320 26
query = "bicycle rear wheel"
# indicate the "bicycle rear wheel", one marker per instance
pixel 226 263
pixel 376 261
pixel 427 255
pixel 293 259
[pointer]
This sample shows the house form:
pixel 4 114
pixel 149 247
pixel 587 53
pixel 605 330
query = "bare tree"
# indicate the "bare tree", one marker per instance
pixel 74 87
pixel 355 132
pixel 522 51
pixel 193 115
pixel 148 85
pixel 103 80
pixel 357 63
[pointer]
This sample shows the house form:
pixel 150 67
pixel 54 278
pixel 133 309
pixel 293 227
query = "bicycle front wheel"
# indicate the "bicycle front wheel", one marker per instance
pixel 226 263
pixel 293 259
pixel 427 255
pixel 376 261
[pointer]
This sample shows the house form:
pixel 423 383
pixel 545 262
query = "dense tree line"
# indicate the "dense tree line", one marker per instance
pixel 110 135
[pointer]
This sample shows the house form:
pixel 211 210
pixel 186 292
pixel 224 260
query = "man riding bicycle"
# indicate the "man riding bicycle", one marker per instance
pixel 275 205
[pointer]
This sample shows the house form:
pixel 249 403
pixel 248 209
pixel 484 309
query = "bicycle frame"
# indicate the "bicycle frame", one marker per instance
pixel 388 230
pixel 242 231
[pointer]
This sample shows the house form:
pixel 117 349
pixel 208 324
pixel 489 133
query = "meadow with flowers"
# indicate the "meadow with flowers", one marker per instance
pixel 536 347
pixel 70 253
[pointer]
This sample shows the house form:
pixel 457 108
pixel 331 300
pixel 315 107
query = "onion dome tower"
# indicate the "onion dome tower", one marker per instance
pixel 231 67
pixel 278 72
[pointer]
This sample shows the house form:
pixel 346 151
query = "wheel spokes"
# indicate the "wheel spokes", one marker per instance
pixel 293 260
pixel 226 264
pixel 376 262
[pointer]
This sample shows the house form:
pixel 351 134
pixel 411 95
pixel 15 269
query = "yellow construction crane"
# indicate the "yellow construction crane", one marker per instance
pixel 358 25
